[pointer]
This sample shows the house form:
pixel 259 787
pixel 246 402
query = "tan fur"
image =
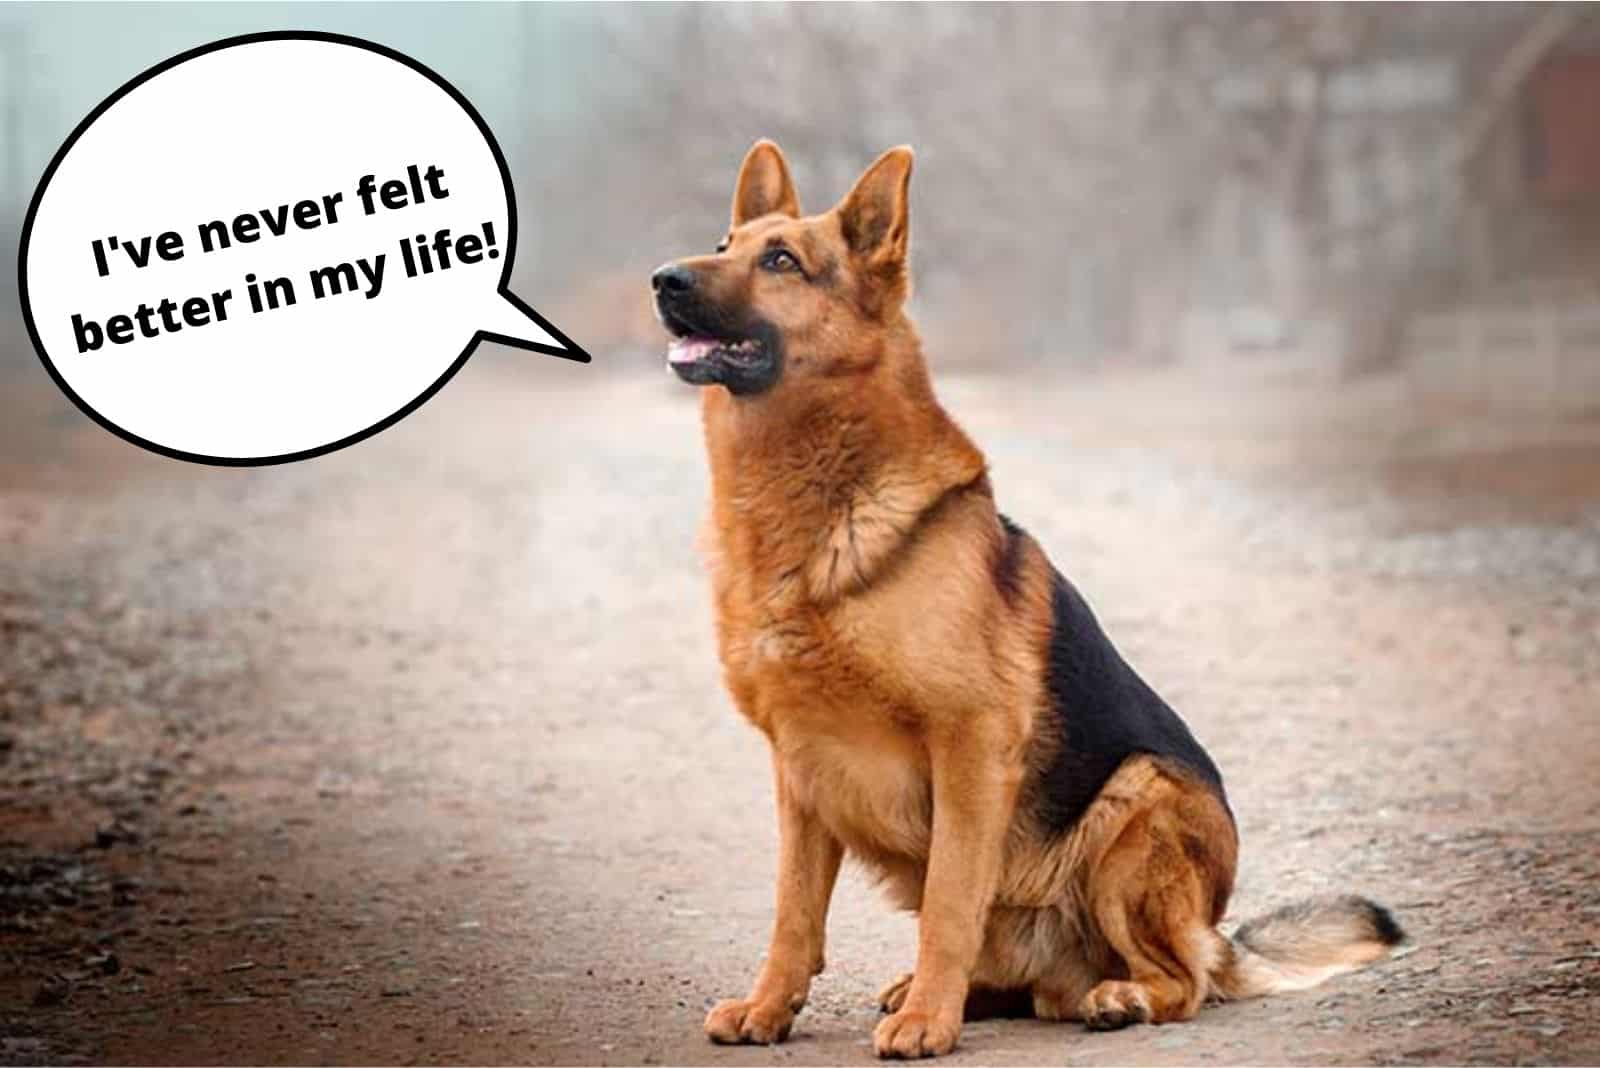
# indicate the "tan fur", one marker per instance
pixel 1300 945
pixel 852 545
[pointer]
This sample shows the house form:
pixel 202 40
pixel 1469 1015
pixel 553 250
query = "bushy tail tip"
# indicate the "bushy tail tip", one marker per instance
pixel 1302 944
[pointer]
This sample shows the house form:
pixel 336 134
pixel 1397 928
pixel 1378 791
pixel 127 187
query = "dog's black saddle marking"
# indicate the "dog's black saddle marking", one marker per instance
pixel 1105 713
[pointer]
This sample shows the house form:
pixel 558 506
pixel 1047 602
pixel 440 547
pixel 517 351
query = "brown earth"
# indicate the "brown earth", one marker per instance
pixel 417 752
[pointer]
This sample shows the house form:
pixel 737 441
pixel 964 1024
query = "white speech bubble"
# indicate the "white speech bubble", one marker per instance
pixel 153 248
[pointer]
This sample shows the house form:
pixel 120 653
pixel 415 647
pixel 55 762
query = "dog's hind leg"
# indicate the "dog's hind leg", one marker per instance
pixel 1153 899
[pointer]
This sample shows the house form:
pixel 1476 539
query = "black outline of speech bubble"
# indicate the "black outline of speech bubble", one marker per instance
pixel 572 350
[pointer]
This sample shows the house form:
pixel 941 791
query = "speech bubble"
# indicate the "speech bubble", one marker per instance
pixel 271 247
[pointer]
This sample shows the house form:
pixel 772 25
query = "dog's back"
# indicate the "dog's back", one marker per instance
pixel 1102 713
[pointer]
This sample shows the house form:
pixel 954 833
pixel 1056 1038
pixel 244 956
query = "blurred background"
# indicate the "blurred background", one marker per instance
pixel 1280 327
pixel 1347 187
pixel 1355 187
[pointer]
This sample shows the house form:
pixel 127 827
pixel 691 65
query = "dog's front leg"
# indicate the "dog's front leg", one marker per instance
pixel 974 791
pixel 808 865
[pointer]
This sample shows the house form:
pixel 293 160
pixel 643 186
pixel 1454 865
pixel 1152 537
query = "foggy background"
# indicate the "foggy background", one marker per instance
pixel 1342 187
pixel 1110 183
pixel 1279 326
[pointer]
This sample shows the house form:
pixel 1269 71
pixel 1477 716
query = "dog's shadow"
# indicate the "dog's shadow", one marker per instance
pixel 999 1005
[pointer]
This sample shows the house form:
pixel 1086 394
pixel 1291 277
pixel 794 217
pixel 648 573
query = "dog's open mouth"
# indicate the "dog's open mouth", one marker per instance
pixel 695 348
pixel 689 346
pixel 744 358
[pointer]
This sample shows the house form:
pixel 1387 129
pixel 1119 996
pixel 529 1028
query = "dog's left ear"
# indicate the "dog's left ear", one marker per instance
pixel 764 185
pixel 876 214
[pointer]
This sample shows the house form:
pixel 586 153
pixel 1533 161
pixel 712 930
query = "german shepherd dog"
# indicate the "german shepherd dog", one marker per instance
pixel 941 703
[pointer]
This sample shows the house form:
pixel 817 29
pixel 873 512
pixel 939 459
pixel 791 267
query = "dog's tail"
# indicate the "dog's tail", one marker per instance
pixel 1302 944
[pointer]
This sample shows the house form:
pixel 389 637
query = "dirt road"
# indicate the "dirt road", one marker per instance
pixel 417 752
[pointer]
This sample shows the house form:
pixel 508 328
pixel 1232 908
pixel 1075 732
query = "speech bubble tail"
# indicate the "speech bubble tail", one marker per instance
pixel 509 321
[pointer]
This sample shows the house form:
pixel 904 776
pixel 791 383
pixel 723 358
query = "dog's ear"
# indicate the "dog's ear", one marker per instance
pixel 876 215
pixel 764 185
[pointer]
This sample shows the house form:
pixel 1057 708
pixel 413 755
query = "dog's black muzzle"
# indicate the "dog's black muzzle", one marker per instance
pixel 710 345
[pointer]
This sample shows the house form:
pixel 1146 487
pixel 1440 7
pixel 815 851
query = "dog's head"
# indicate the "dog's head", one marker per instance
pixel 786 296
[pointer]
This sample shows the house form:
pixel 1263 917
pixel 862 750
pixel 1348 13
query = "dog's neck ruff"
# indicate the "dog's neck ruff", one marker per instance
pixel 829 495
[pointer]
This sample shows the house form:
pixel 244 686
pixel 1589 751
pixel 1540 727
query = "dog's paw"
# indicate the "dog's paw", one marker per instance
pixel 740 1021
pixel 917 1034
pixel 1113 1004
pixel 893 997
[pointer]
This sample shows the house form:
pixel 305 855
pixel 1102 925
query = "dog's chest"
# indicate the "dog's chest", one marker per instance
pixel 830 688
pixel 869 786
pixel 848 742
pixel 780 649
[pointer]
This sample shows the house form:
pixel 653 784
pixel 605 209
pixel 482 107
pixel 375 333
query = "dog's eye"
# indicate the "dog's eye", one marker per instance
pixel 722 246
pixel 780 259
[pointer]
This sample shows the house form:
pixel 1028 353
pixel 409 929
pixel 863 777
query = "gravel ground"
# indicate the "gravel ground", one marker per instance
pixel 417 752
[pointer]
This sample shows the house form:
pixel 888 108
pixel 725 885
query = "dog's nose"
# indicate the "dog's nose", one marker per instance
pixel 672 279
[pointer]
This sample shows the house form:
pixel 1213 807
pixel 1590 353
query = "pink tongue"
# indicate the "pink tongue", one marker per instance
pixel 690 349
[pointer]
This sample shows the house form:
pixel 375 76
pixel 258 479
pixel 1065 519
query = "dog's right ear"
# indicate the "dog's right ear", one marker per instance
pixel 764 185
